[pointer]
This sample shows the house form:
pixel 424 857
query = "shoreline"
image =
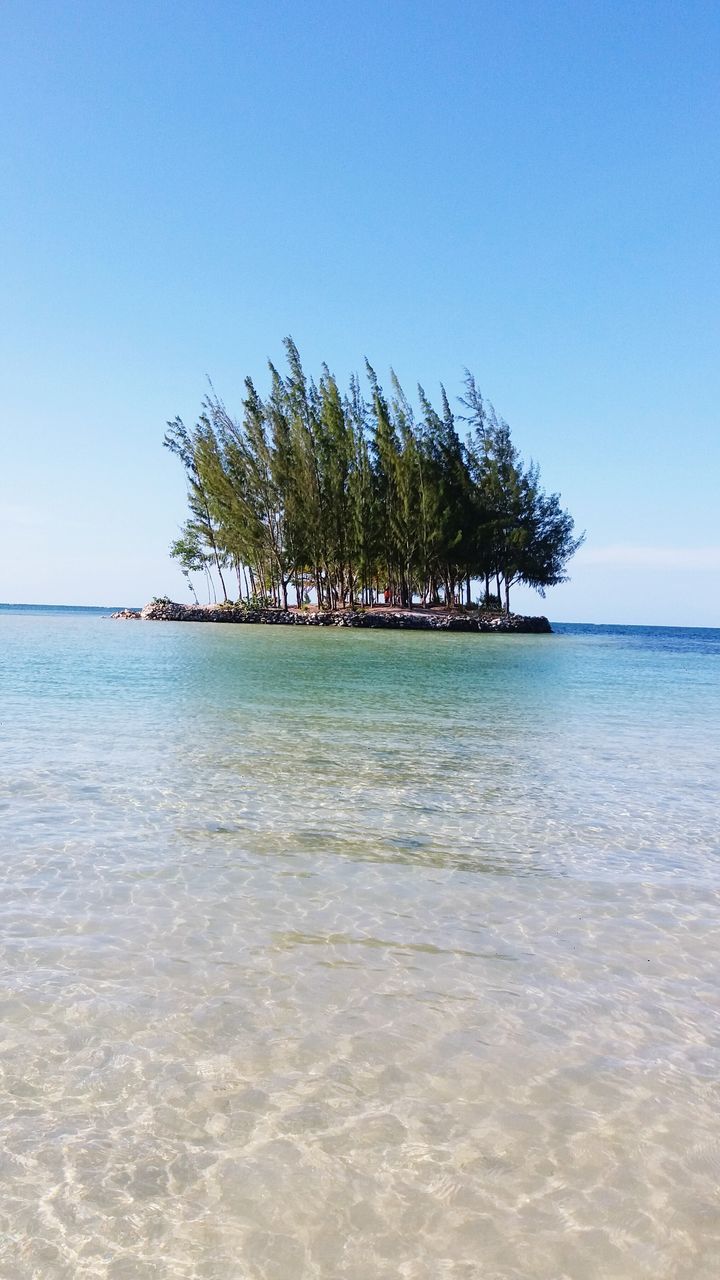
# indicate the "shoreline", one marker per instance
pixel 378 618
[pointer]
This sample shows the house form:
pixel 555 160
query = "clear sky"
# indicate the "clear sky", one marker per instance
pixel 524 187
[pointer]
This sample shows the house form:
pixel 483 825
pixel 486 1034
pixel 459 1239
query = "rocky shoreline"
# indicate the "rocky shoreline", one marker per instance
pixel 381 619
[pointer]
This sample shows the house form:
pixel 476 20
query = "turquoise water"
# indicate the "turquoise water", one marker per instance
pixel 339 954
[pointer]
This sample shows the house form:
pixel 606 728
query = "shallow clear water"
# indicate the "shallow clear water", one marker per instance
pixel 337 954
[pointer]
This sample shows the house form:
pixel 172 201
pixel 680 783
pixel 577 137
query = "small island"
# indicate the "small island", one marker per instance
pixel 359 508
pixel 381 618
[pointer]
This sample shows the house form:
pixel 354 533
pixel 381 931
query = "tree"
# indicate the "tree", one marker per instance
pixel 337 492
pixel 187 447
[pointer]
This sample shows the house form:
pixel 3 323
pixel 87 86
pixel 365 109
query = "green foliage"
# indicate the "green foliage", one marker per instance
pixel 490 603
pixel 346 497
pixel 257 602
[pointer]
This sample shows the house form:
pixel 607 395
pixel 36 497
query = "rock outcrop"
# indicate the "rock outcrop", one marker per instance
pixel 381 619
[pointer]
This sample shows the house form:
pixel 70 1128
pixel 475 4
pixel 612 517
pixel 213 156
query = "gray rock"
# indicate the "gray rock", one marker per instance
pixel 373 619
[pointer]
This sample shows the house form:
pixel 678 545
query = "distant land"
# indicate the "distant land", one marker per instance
pixel 61 608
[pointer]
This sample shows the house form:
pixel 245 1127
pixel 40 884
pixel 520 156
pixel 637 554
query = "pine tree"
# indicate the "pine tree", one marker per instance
pixel 337 493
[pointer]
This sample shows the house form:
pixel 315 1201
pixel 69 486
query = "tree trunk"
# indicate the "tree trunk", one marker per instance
pixel 213 544
pixel 468 592
pixel 507 596
pixel 189 582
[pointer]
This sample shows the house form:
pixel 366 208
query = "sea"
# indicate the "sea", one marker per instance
pixel 339 955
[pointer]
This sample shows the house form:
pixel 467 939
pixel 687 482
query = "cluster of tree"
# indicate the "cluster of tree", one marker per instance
pixel 346 498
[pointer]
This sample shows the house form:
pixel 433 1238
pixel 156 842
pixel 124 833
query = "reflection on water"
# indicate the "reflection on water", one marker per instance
pixel 263 1017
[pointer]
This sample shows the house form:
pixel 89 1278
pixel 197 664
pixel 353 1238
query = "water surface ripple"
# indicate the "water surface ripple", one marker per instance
pixel 354 956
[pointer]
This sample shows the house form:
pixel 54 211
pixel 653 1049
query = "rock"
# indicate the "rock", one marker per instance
pixel 374 619
pixel 126 613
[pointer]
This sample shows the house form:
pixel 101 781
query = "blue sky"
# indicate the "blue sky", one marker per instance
pixel 527 189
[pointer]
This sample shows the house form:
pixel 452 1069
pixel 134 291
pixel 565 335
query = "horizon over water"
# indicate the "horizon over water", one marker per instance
pixel 357 955
pixel 32 607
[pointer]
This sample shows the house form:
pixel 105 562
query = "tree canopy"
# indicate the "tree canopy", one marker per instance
pixel 348 496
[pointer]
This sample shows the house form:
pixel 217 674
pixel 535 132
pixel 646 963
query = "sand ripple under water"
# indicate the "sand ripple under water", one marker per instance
pixel 358 956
